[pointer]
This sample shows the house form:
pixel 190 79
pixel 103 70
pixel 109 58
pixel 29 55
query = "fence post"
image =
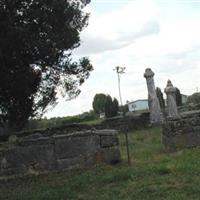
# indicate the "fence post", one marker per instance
pixel 127 147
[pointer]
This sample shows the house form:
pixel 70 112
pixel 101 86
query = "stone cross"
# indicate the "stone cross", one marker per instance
pixel 154 106
pixel 170 91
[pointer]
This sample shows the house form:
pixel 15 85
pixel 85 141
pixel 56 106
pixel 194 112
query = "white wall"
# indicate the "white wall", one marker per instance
pixel 138 105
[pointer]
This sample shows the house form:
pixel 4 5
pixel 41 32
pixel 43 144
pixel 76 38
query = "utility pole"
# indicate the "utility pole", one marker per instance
pixel 120 71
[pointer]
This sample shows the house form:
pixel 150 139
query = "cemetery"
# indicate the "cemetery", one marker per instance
pixel 56 143
pixel 153 174
pixel 77 147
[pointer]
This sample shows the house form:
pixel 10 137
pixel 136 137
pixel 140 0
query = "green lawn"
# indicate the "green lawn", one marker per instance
pixel 154 174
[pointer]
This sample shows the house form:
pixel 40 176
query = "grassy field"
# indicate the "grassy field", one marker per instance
pixel 153 175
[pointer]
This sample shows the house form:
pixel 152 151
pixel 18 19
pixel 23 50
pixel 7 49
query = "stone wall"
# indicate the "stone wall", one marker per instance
pixel 126 123
pixel 42 152
pixel 182 132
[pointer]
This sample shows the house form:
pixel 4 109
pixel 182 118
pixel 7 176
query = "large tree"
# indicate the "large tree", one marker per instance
pixel 111 107
pixel 178 96
pixel 36 42
pixel 98 103
pixel 115 107
pixel 194 98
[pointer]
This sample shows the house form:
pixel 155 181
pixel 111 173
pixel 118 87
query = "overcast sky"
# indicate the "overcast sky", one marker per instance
pixel 137 34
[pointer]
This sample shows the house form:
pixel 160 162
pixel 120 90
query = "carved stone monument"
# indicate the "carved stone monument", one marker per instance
pixel 154 106
pixel 170 91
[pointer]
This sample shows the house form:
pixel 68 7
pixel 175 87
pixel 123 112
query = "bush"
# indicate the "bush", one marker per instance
pixel 59 121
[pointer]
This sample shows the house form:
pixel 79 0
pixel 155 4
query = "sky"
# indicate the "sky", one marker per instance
pixel 163 35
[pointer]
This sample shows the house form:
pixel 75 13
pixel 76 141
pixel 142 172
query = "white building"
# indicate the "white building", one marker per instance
pixel 141 104
pixel 102 115
pixel 184 98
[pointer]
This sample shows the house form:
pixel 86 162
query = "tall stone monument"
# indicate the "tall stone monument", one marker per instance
pixel 154 106
pixel 170 91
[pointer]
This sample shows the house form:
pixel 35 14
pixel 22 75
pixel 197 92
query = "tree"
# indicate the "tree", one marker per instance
pixel 194 98
pixel 36 42
pixel 123 108
pixel 160 98
pixel 115 107
pixel 108 106
pixel 178 97
pixel 111 107
pixel 99 103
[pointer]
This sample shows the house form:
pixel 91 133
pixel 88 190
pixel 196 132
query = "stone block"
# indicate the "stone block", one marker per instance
pixel 77 162
pixel 35 141
pixel 105 132
pixel 109 155
pixel 193 140
pixel 68 163
pixel 43 152
pixel 90 160
pixel 70 147
pixel 183 132
pixel 40 157
pixel 109 141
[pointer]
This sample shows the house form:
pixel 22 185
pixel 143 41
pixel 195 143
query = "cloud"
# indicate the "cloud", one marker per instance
pixel 138 35
pixel 119 28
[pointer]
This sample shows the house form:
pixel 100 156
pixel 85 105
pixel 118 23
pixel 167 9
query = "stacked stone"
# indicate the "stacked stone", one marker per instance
pixel 39 153
pixel 182 131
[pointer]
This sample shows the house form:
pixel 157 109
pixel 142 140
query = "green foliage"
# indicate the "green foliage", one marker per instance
pixel 104 103
pixel 115 107
pixel 111 107
pixel 36 41
pixel 108 106
pixel 154 175
pixel 123 108
pixel 99 103
pixel 178 97
pixel 194 98
pixel 160 97
pixel 59 121
pixel 192 104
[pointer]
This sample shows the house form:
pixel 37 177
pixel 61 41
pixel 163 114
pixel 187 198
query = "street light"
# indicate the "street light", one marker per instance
pixel 120 71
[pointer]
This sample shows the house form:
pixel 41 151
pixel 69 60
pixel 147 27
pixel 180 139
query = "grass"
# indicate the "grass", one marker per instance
pixel 93 122
pixel 153 175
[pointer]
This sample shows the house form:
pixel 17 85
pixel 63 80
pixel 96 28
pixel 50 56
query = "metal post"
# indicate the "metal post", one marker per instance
pixel 127 149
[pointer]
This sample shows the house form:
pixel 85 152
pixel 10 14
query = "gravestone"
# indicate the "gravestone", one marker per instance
pixel 154 106
pixel 170 91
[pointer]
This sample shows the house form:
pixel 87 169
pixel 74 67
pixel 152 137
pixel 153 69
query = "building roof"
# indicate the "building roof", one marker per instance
pixel 137 100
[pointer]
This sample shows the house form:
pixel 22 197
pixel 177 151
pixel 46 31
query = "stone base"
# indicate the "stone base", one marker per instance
pixel 182 132
pixel 59 152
